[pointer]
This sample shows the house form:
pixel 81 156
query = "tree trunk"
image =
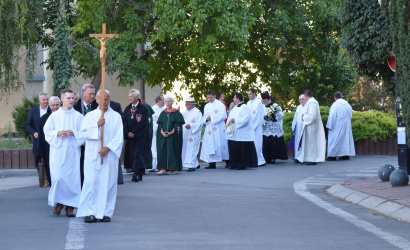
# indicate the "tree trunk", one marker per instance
pixel 96 81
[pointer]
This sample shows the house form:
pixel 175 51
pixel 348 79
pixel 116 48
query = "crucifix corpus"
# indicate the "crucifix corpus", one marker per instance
pixel 103 38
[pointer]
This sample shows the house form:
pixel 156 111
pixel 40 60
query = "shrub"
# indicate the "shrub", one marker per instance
pixel 20 115
pixel 374 125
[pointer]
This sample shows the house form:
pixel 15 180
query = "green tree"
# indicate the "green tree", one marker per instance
pixel 366 37
pixel 60 57
pixel 202 44
pixel 399 20
pixel 21 26
pixel 231 46
pixel 131 20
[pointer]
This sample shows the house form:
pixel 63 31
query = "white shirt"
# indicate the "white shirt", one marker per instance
pixel 43 111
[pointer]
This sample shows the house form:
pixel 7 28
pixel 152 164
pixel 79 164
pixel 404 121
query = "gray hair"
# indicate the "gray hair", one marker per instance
pixel 136 92
pixel 54 98
pixel 169 97
pixel 76 93
pixel 88 85
pixel 42 93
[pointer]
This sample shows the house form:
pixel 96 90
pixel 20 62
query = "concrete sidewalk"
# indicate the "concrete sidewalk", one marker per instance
pixel 376 195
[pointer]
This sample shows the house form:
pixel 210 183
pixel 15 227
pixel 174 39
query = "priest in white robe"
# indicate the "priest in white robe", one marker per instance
pixel 340 137
pixel 99 192
pixel 191 135
pixel 158 107
pixel 258 112
pixel 297 125
pixel 241 138
pixel 313 144
pixel 214 146
pixel 62 132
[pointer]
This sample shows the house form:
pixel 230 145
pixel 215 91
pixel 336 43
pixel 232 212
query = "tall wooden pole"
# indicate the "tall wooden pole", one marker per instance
pixel 103 38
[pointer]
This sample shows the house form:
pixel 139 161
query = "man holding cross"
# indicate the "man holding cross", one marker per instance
pixel 99 191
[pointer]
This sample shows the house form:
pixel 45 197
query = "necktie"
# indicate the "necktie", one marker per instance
pixel 87 108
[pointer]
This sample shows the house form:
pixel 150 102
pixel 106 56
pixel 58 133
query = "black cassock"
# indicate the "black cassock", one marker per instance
pixel 136 149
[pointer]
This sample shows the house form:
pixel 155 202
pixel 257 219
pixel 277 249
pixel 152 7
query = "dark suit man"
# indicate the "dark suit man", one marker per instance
pixel 43 149
pixel 136 125
pixel 33 121
pixel 87 103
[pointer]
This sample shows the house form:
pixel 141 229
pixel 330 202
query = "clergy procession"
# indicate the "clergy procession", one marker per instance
pixel 80 143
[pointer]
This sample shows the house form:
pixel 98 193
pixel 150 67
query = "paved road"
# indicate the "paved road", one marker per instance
pixel 279 206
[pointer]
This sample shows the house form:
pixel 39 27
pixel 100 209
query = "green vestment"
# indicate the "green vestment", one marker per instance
pixel 169 149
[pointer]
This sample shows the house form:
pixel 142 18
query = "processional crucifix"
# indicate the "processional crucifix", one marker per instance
pixel 103 38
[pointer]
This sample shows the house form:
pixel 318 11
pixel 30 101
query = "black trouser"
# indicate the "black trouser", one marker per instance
pixel 82 165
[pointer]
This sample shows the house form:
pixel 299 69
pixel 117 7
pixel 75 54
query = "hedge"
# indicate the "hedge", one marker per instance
pixel 373 125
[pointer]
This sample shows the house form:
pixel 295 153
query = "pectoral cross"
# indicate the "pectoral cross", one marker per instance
pixel 193 121
pixel 190 139
pixel 216 111
pixel 209 132
pixel 214 129
pixel 103 38
pixel 155 117
pixel 254 111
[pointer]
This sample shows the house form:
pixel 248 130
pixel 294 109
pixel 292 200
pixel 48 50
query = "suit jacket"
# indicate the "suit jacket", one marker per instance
pixel 43 148
pixel 33 125
pixel 79 103
pixel 117 108
pixel 136 149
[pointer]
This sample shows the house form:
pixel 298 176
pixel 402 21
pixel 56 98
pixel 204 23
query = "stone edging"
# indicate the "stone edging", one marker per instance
pixel 374 203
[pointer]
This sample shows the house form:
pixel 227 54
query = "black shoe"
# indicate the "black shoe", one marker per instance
pixel 273 161
pixel 331 158
pixel 233 168
pixel 135 178
pixel 198 167
pixel 90 219
pixel 240 168
pixel 105 219
pixel 310 163
pixel 262 165
pixel 344 158
pixel 227 164
pixel 211 165
pixel 296 160
pixel 140 177
pixel 191 169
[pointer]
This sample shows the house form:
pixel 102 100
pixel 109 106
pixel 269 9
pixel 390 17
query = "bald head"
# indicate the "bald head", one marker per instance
pixel 302 99
pixel 100 92
pixel 103 104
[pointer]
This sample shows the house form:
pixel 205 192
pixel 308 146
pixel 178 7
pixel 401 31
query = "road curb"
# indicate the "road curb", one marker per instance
pixel 380 205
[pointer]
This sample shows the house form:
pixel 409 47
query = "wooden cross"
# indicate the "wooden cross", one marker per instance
pixel 214 129
pixel 103 38
pixel 190 139
pixel 216 111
